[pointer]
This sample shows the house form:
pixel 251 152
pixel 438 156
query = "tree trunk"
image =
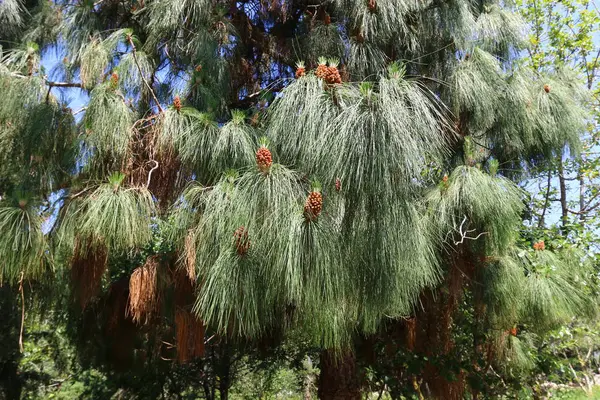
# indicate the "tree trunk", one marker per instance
pixel 430 332
pixel 225 374
pixel 542 222
pixel 339 378
pixel 308 379
pixel 563 194
pixel 10 382
pixel 582 213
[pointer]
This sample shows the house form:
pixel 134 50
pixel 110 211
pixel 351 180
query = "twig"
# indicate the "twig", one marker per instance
pixel 79 111
pixel 133 49
pixel 464 234
pixel 209 339
pixel 150 173
pixel 51 83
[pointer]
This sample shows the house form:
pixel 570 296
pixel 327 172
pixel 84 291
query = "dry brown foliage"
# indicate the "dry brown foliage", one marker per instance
pixel 143 291
pixel 88 265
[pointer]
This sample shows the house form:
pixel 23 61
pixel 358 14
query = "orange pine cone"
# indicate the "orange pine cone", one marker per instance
pixel 241 241
pixel 372 4
pixel 332 76
pixel 327 19
pixel 338 184
pixel 321 71
pixel 513 331
pixel 313 206
pixel 539 245
pixel 300 72
pixel 177 103
pixel 264 159
pixel 114 80
pixel 546 88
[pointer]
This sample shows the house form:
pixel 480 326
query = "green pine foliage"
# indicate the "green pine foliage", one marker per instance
pixel 107 126
pixel 11 16
pixel 234 146
pixel 111 215
pixel 23 245
pixel 316 199
pixel 473 203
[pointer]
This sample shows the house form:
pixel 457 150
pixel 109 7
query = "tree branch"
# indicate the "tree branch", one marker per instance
pixel 133 49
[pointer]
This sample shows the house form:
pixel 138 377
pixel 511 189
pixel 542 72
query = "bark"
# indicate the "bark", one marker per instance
pixel 225 374
pixel 542 221
pixel 430 333
pixel 339 378
pixel 10 381
pixel 582 213
pixel 308 379
pixel 563 194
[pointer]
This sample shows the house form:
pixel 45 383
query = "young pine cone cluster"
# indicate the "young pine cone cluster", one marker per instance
pixel 264 159
pixel 241 241
pixel 539 245
pixel 546 88
pixel 177 103
pixel 372 4
pixel 300 72
pixel 313 206
pixel 338 184
pixel 330 74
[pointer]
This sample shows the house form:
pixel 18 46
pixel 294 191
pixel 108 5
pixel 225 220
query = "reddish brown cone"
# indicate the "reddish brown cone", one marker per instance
pixel 264 159
pixel 539 245
pixel 313 206
pixel 300 72
pixel 332 75
pixel 177 103
pixel 547 88
pixel 241 241
pixel 321 71
pixel 114 80
pixel 338 184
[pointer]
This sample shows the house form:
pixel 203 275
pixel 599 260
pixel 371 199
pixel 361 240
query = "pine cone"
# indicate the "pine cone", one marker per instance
pixel 198 68
pixel 539 245
pixel 313 206
pixel 300 72
pixel 327 19
pixel 114 80
pixel 513 331
pixel 546 88
pixel 321 71
pixel 372 4
pixel 264 159
pixel 177 103
pixel 332 76
pixel 338 184
pixel 242 242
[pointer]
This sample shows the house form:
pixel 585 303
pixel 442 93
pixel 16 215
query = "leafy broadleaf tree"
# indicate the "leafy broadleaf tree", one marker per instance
pixel 344 170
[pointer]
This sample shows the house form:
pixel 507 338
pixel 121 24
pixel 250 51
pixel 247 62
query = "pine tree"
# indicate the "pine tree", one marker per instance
pixel 345 169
